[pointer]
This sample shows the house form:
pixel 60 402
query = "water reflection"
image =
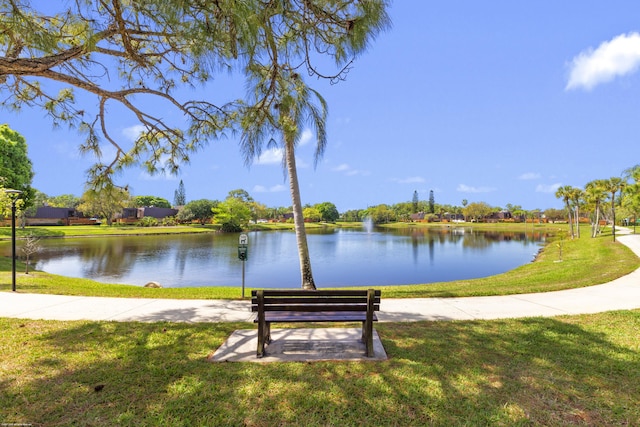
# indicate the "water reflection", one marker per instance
pixel 340 257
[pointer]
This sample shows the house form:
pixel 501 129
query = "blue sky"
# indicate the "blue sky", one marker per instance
pixel 499 101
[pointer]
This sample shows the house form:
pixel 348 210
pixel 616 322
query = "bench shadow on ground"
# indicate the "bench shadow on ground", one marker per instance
pixel 288 345
pixel 299 345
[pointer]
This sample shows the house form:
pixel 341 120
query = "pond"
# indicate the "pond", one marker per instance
pixel 339 257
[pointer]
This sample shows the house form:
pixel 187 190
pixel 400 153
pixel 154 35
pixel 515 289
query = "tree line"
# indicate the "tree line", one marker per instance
pixel 600 201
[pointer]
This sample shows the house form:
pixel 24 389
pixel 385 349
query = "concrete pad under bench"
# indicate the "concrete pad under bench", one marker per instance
pixel 300 345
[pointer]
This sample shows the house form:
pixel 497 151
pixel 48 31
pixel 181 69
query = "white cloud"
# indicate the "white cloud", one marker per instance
pixel 275 156
pixel 273 189
pixel 552 188
pixel 305 137
pixel 270 157
pixel 611 59
pixel 529 176
pixel 133 132
pixel 463 188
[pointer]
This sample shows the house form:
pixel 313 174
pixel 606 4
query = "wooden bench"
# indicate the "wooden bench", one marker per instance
pixel 296 305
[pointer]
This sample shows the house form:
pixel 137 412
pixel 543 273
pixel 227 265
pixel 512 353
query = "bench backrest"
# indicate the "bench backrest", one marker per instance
pixel 318 300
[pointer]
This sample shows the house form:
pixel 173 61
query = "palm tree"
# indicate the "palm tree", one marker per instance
pixel 564 193
pixel 576 196
pixel 595 195
pixel 632 193
pixel 280 104
pixel 292 107
pixel 289 113
pixel 612 186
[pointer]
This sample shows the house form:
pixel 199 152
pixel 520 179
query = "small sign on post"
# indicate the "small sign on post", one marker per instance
pixel 243 243
pixel 243 239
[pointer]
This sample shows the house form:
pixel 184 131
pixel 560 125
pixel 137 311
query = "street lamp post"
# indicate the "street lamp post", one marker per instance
pixel 14 199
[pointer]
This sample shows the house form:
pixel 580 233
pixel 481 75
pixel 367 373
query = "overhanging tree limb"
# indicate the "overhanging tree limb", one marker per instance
pixel 151 47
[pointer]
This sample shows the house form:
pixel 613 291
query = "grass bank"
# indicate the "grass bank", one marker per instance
pixel 132 230
pixel 570 370
pixel 585 262
pixel 101 231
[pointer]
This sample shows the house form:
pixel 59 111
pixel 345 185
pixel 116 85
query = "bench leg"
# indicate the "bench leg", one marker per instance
pixel 264 337
pixel 367 338
pixel 263 326
pixel 367 326
pixel 267 333
pixel 260 351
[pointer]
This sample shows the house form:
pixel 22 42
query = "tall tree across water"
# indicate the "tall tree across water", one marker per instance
pixel 180 195
pixel 104 202
pixel 432 202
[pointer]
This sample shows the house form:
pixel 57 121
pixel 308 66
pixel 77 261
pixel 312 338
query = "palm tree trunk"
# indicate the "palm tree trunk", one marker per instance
pixel 298 218
pixel 613 214
pixel 570 219
pixel 596 225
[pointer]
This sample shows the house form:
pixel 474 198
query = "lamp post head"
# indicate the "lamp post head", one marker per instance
pixel 15 193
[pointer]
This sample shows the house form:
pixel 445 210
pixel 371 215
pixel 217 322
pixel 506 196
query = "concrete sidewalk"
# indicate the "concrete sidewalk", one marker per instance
pixel 620 294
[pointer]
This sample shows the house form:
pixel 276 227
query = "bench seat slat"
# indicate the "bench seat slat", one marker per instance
pixel 303 292
pixel 311 300
pixel 323 316
pixel 316 308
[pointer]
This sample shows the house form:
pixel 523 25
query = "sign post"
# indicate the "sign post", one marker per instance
pixel 243 243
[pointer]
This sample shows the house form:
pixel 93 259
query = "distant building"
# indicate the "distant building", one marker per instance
pixel 49 212
pixel 49 215
pixel 417 216
pixel 135 214
pixel 158 213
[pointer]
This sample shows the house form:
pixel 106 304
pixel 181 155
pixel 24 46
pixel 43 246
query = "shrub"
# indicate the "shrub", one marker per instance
pixel 147 221
pixel 169 221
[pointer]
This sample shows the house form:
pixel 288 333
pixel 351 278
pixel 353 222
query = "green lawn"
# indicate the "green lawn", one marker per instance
pixel 570 370
pixel 566 370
